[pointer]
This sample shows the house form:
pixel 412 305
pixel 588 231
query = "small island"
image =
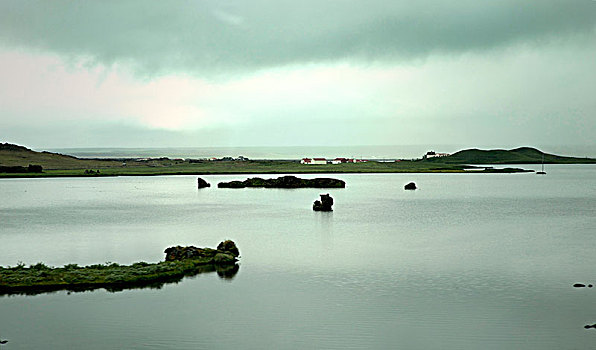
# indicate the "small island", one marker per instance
pixel 179 262
pixel 285 182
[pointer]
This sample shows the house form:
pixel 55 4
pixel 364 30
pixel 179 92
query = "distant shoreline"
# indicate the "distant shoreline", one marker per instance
pixel 15 162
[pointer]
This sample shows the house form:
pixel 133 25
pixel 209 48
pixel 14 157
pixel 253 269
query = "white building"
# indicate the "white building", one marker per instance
pixel 313 161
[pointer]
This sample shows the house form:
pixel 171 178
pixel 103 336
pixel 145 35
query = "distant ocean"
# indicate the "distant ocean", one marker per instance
pixel 298 152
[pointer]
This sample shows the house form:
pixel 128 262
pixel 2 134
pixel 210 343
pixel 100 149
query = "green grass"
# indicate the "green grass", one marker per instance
pixel 40 278
pixel 255 167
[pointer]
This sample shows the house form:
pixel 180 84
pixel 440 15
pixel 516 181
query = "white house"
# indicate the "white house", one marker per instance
pixel 313 161
pixel 432 154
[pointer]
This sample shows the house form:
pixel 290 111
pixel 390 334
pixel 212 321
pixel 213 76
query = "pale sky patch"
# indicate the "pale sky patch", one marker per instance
pixel 232 73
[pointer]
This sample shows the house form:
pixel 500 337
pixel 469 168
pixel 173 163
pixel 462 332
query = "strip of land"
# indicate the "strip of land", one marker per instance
pixel 59 165
pixel 180 262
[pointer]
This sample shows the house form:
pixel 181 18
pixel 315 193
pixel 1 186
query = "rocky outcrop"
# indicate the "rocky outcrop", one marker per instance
pixel 285 182
pixel 410 186
pixel 226 253
pixel 324 204
pixel 202 183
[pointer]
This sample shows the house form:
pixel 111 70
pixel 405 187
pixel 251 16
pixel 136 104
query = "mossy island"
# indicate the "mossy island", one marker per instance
pixel 285 182
pixel 180 262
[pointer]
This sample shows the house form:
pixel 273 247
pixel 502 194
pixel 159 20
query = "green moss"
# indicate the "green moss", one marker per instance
pixel 41 278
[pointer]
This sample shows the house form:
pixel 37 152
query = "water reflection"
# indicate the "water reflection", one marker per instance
pixel 225 272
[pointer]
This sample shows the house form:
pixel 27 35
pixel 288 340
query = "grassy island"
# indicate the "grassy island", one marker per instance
pixel 180 262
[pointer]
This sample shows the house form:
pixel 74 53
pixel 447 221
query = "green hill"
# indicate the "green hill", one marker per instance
pixel 15 155
pixel 522 155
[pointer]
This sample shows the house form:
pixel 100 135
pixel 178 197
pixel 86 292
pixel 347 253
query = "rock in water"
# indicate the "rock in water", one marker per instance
pixel 410 186
pixel 226 253
pixel 285 182
pixel 202 183
pixel 228 247
pixel 324 204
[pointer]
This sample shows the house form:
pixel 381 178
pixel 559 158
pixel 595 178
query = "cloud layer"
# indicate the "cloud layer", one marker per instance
pixel 200 73
pixel 212 36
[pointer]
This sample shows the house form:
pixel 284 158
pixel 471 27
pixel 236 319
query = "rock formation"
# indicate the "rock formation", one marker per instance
pixel 202 183
pixel 324 204
pixel 285 182
pixel 226 253
pixel 410 186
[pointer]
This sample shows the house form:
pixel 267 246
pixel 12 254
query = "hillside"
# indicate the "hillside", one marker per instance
pixel 522 155
pixel 14 155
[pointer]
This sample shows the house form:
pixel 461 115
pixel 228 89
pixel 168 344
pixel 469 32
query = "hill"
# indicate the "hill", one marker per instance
pixel 15 155
pixel 522 155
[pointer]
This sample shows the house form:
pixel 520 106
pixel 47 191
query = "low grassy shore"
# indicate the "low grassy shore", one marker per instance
pixel 261 167
pixel 20 162
pixel 180 262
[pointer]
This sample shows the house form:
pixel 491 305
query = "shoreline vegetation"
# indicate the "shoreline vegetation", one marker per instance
pixel 19 162
pixel 180 262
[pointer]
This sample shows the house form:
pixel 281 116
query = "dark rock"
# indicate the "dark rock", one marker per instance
pixel 590 286
pixel 231 184
pixel 224 258
pixel 190 252
pixel 579 285
pixel 202 183
pixel 410 186
pixel 324 204
pixel 225 253
pixel 285 182
pixel 228 247
pixel 588 326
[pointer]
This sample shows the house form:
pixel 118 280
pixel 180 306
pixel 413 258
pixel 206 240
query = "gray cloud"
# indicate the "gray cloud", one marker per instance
pixel 217 36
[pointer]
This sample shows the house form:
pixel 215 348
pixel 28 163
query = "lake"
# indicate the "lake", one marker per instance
pixel 467 261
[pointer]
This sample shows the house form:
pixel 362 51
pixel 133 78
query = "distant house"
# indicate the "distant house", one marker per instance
pixel 433 154
pixel 313 161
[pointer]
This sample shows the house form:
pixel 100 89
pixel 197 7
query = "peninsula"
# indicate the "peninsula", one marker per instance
pixel 179 262
pixel 19 161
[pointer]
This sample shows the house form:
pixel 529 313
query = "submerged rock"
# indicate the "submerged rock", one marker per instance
pixel 202 183
pixel 324 204
pixel 285 182
pixel 410 186
pixel 579 285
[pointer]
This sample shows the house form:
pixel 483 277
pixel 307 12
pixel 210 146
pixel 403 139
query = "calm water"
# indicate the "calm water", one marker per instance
pixel 468 261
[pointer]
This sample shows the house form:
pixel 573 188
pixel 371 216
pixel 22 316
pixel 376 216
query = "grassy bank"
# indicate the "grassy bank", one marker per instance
pixel 179 262
pixel 40 278
pixel 256 167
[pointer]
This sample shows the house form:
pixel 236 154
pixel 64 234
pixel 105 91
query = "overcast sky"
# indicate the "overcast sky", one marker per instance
pixel 279 73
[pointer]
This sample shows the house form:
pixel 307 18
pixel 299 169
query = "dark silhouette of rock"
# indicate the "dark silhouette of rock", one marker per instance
pixel 226 255
pixel 202 183
pixel 324 204
pixel 588 326
pixel 410 186
pixel 229 247
pixel 579 285
pixel 285 182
